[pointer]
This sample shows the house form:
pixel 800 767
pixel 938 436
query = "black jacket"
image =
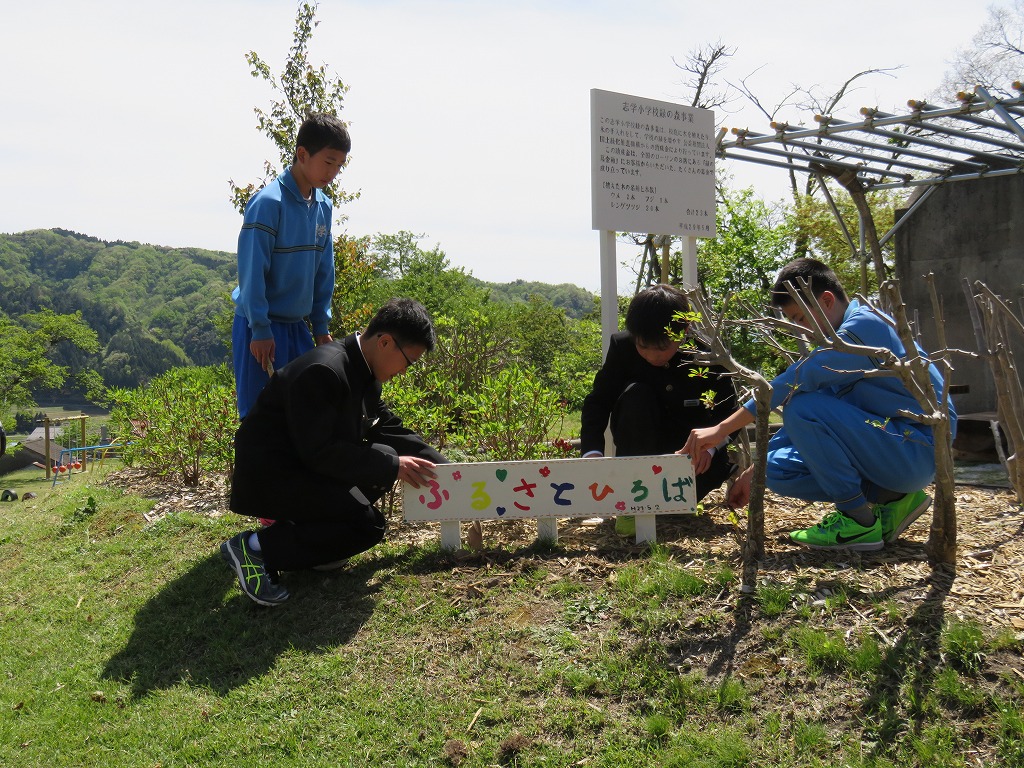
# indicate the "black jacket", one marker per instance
pixel 320 416
pixel 678 392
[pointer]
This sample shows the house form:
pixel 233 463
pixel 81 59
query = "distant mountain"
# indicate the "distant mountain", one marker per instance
pixel 153 307
pixel 577 302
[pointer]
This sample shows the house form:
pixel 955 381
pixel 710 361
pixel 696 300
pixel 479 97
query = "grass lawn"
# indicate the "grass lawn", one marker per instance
pixel 128 643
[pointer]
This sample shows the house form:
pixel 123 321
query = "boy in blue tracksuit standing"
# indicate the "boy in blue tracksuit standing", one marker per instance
pixel 286 261
pixel 843 439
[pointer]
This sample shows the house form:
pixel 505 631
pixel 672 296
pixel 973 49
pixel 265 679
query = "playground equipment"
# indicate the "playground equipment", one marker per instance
pixel 73 458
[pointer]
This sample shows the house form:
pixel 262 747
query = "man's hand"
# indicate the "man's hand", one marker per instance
pixel 415 471
pixel 263 351
pixel 739 493
pixel 325 339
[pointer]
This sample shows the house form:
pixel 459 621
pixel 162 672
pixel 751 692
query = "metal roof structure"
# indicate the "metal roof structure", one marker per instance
pixel 982 137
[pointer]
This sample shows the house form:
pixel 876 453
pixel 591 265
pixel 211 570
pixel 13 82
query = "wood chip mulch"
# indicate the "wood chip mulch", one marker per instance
pixel 988 586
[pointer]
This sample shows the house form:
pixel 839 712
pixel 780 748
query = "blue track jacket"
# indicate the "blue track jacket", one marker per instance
pixel 285 259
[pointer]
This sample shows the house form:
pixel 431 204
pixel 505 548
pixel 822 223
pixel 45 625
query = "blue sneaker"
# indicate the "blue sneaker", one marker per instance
pixel 252 574
pixel 898 515
pixel 837 531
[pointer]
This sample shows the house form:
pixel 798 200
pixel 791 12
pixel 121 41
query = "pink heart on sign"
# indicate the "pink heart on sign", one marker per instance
pixel 621 505
pixel 657 469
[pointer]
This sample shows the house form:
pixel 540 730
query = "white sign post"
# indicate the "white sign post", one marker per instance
pixel 652 170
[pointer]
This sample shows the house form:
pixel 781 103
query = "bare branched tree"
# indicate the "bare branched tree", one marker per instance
pixel 813 99
pixel 995 327
pixel 995 58
pixel 913 370
pixel 709 326
pixel 703 65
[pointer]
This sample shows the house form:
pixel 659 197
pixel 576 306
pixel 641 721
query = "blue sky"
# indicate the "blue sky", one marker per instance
pixel 470 120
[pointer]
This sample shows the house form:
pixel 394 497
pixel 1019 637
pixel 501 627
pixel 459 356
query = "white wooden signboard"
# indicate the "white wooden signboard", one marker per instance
pixel 652 166
pixel 643 486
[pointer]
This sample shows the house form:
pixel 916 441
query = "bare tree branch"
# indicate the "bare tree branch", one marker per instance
pixel 704 64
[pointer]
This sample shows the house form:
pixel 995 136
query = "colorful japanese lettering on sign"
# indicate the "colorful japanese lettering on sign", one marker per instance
pixel 628 485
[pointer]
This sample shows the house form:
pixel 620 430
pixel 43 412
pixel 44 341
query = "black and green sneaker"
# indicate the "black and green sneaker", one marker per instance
pixel 837 531
pixel 252 574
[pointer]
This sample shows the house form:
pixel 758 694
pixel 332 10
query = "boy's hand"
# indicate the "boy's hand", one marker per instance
pixel 415 471
pixel 702 461
pixel 739 493
pixel 263 351
pixel 325 339
pixel 697 445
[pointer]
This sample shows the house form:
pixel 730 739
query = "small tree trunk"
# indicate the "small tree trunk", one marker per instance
pixel 850 182
pixel 753 546
pixel 941 544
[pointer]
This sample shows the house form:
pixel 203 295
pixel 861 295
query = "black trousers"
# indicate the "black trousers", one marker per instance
pixel 640 427
pixel 317 519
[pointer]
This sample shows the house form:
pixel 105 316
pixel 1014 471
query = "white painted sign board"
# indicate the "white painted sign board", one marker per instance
pixel 652 166
pixel 599 487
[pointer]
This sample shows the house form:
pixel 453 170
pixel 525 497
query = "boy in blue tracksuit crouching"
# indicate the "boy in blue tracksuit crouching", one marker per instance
pixel 286 261
pixel 843 439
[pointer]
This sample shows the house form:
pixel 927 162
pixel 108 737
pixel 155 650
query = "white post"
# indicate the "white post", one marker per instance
pixel 646 529
pixel 609 290
pixel 688 245
pixel 547 529
pixel 609 310
pixel 451 534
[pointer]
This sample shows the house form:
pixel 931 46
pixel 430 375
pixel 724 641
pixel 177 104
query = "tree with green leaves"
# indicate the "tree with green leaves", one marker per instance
pixel 738 266
pixel 25 365
pixel 300 89
pixel 836 241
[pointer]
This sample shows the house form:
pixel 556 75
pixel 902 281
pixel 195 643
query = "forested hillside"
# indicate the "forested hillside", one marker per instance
pixel 152 307
pixel 577 302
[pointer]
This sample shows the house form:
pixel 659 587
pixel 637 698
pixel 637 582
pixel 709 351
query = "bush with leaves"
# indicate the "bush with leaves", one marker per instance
pixel 182 422
pixel 505 416
pixel 510 415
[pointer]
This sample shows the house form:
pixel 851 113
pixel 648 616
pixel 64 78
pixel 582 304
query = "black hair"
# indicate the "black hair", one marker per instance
pixel 406 320
pixel 651 313
pixel 322 131
pixel 818 275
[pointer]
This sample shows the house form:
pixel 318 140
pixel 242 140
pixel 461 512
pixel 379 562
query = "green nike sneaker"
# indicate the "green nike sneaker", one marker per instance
pixel 898 515
pixel 837 531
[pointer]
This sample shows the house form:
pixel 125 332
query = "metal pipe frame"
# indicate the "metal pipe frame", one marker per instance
pixel 876 123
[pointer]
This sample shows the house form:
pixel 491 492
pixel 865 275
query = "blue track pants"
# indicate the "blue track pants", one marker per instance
pixel 290 341
pixel 829 450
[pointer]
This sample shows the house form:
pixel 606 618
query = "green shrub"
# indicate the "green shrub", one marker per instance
pixel 182 422
pixel 509 416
